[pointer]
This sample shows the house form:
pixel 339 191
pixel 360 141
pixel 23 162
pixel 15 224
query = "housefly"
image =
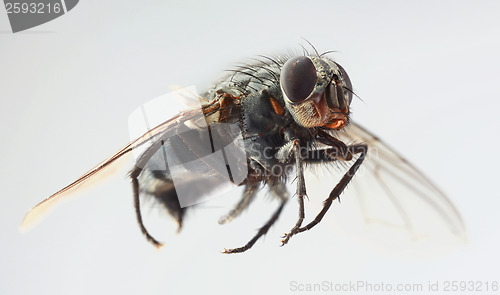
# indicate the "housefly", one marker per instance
pixel 289 113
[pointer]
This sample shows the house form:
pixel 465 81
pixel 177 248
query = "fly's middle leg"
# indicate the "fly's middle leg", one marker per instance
pixel 247 198
pixel 279 190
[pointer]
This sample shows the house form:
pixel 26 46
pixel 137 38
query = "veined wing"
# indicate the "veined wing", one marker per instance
pixel 393 193
pixel 156 134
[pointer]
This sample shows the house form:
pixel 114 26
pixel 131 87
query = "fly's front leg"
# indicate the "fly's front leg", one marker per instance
pixel 339 188
pixel 301 188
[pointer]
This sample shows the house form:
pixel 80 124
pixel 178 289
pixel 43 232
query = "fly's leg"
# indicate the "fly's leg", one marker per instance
pixel 279 191
pixel 339 188
pixel 248 196
pixel 135 187
pixel 301 192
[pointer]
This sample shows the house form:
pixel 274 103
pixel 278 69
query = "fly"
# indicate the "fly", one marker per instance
pixel 290 112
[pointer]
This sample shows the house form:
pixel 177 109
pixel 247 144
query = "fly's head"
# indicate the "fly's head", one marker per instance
pixel 317 92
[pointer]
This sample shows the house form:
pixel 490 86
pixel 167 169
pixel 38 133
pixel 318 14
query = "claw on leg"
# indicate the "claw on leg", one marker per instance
pixel 285 238
pixel 262 231
pixel 234 250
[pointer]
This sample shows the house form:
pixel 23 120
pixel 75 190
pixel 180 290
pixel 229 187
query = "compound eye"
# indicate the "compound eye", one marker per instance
pixel 298 77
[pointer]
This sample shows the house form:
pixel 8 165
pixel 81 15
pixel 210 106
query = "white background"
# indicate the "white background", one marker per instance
pixel 428 73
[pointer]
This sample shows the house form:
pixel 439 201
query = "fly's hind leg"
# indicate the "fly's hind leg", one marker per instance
pixel 134 174
pixel 278 189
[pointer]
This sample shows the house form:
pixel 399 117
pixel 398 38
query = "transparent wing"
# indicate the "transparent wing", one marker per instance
pixel 395 196
pixel 109 165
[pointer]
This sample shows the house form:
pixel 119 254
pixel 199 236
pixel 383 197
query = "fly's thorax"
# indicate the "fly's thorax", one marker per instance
pixel 316 92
